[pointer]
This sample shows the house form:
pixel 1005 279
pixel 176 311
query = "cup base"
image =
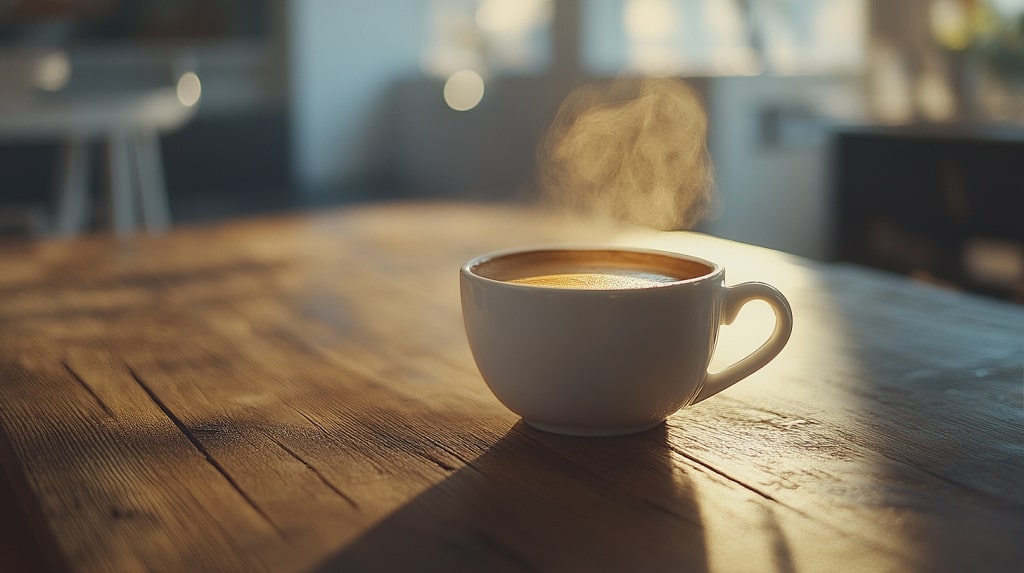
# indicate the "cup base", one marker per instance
pixel 591 431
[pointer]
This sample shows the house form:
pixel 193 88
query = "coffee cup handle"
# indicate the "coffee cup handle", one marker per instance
pixel 734 298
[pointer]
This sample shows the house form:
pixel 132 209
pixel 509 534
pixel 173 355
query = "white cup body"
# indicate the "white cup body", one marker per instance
pixel 593 362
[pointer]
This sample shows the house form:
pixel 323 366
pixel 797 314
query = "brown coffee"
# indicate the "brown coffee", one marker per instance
pixel 612 279
pixel 591 269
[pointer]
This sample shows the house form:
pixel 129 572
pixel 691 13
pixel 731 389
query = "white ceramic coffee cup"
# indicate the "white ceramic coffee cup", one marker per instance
pixel 606 362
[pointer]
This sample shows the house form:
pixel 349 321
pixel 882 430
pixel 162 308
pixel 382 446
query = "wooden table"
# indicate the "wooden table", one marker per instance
pixel 296 394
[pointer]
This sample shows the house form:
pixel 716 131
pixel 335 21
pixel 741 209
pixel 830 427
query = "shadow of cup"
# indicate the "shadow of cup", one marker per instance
pixel 539 501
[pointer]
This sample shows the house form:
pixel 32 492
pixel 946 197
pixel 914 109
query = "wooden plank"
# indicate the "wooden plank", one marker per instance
pixel 21 548
pixel 125 492
pixel 297 392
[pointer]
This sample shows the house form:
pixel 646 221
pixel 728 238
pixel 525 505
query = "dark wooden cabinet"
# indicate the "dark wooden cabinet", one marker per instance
pixel 941 203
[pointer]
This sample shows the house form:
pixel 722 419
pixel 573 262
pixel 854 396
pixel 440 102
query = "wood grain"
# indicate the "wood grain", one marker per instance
pixel 296 394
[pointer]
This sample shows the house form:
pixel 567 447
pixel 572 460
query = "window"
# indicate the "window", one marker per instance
pixel 509 37
pixel 723 37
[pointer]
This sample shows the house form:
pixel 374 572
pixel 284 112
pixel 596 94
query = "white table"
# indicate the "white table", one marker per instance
pixel 130 125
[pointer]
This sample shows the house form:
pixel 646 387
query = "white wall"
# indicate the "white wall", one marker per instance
pixel 344 56
pixel 776 191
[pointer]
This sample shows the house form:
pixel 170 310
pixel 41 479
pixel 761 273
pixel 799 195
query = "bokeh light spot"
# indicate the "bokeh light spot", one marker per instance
pixel 464 90
pixel 189 89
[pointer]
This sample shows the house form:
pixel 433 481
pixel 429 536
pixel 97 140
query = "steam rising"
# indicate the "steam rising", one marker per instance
pixel 633 150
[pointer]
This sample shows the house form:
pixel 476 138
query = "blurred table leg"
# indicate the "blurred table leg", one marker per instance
pixel 122 197
pixel 73 188
pixel 149 169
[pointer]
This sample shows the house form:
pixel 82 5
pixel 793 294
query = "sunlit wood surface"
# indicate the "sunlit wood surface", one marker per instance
pixel 297 394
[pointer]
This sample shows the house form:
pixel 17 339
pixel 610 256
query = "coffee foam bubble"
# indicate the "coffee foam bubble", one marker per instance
pixel 633 150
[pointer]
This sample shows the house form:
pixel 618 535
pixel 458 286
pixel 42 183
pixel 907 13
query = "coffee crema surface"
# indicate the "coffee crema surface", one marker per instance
pixel 611 279
pixel 591 269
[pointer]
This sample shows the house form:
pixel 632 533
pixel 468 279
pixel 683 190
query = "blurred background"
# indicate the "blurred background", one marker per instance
pixel 889 133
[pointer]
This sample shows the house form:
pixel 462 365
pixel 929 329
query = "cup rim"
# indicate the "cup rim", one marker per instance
pixel 467 269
